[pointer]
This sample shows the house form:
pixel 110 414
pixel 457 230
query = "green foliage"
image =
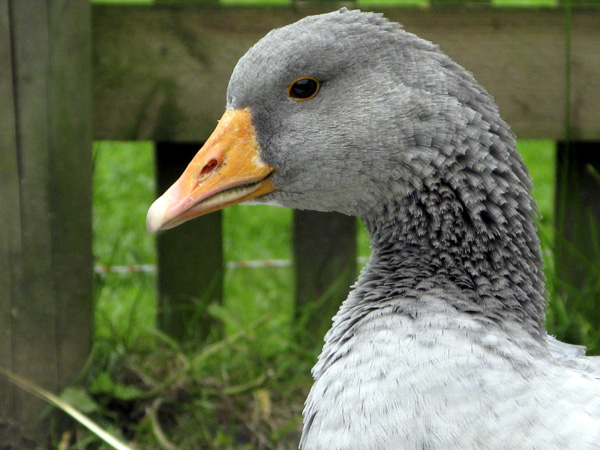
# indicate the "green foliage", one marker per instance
pixel 539 156
pixel 123 189
pixel 573 314
pixel 223 394
pixel 245 390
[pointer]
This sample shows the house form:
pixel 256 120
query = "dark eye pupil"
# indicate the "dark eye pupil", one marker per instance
pixel 304 88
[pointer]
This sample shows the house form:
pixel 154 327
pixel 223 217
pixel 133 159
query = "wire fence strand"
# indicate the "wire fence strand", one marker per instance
pixel 151 268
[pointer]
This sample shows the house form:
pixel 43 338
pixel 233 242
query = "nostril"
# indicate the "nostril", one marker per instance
pixel 209 167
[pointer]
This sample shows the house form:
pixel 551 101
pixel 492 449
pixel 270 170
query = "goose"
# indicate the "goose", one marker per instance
pixel 441 342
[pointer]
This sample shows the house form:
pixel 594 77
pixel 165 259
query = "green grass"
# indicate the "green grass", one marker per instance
pixel 539 155
pixel 123 188
pixel 245 390
pixel 123 191
pixel 132 357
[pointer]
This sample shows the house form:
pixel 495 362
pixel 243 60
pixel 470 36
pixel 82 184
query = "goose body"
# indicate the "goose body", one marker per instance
pixel 440 344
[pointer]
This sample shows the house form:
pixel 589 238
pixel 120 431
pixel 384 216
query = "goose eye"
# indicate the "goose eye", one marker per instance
pixel 303 88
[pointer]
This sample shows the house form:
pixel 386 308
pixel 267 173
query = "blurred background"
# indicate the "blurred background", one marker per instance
pixel 204 336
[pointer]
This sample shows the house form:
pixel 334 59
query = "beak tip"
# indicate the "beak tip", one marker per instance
pixel 155 219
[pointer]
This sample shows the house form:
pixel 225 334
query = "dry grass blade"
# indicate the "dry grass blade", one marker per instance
pixel 65 407
pixel 152 411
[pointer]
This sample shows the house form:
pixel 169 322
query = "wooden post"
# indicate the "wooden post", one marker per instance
pixel 578 229
pixel 190 258
pixel 325 263
pixel 46 275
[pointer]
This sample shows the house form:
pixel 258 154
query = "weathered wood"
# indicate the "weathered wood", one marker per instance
pixel 577 239
pixel 325 266
pixel 31 297
pixel 161 73
pixel 190 258
pixel 46 260
pixel 70 134
pixel 585 77
pixel 10 217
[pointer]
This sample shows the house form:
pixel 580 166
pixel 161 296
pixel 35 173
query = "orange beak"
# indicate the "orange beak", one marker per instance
pixel 227 170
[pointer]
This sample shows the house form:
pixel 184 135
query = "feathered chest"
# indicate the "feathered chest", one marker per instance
pixel 437 381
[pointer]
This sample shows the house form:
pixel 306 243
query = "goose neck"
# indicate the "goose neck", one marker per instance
pixel 487 257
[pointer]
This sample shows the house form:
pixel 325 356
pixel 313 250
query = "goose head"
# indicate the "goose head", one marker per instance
pixel 340 112
pixel 348 112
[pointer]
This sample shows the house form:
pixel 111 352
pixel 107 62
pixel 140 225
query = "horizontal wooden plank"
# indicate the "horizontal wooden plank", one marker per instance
pixel 161 73
pixel 585 74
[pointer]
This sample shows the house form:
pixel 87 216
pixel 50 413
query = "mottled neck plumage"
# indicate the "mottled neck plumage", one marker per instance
pixel 486 253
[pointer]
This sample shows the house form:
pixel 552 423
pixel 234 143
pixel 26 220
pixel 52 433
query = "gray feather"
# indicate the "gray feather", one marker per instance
pixel 441 342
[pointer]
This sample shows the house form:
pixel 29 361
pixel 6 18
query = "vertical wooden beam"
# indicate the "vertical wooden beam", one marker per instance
pixel 46 310
pixel 325 263
pixel 70 134
pixel 10 220
pixel 578 229
pixel 190 258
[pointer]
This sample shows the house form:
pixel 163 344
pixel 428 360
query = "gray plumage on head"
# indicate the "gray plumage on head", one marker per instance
pixel 403 137
pixel 441 342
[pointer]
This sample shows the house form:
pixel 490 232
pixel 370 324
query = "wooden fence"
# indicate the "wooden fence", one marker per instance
pixel 70 73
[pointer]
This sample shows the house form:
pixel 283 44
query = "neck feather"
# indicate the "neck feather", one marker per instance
pixel 485 252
